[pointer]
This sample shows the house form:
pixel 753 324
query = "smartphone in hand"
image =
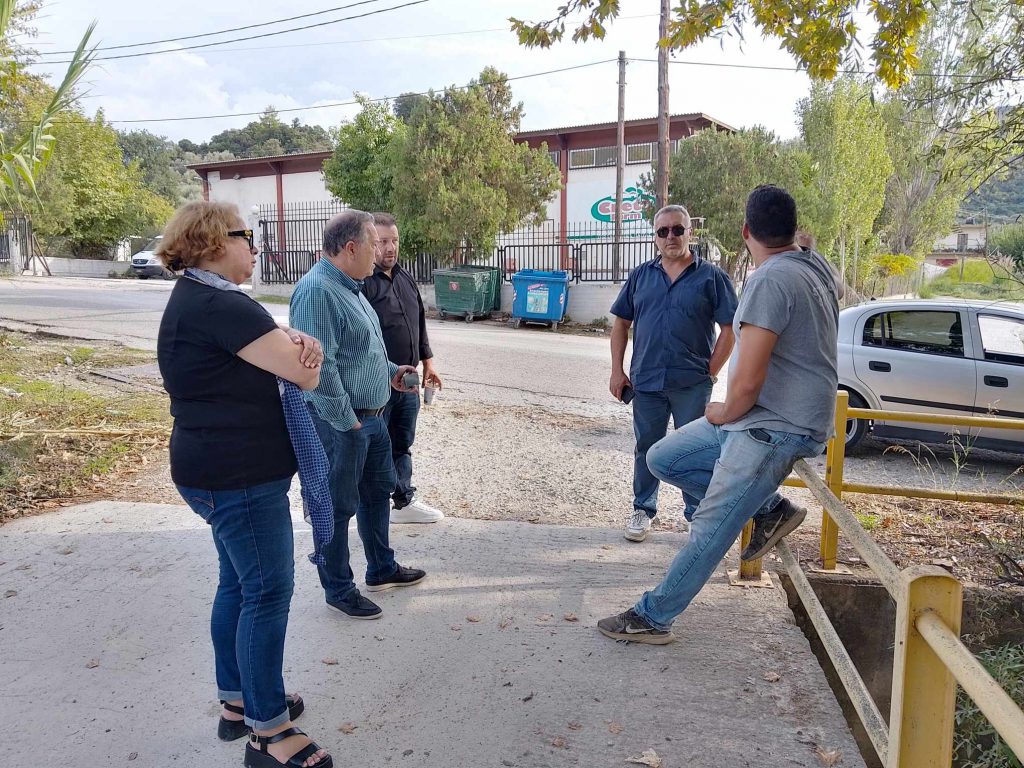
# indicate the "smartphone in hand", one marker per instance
pixel 627 394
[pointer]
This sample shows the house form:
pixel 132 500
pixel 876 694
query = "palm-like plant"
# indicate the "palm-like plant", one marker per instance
pixel 23 162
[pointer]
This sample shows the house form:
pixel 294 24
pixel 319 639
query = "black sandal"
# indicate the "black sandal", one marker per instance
pixel 230 730
pixel 261 758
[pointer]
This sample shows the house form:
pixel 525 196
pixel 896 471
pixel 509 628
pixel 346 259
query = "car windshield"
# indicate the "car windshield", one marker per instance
pixel 152 244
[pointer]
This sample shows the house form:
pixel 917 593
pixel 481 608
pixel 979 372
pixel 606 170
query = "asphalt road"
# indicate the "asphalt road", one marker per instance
pixel 491 363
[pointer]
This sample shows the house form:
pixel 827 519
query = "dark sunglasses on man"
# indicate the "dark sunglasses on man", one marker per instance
pixel 246 233
pixel 677 229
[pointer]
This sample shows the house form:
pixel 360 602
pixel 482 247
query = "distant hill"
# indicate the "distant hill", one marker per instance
pixel 1002 199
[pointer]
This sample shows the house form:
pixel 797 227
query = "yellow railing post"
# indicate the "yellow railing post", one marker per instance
pixel 835 456
pixel 749 570
pixel 923 688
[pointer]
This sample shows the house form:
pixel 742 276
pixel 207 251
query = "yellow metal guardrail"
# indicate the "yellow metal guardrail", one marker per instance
pixel 929 658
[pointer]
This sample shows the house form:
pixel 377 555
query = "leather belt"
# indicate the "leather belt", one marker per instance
pixel 364 412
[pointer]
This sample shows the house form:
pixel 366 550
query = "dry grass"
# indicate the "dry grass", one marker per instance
pixel 59 434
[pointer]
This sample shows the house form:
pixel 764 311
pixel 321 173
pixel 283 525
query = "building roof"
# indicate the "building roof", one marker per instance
pixel 320 156
pixel 640 122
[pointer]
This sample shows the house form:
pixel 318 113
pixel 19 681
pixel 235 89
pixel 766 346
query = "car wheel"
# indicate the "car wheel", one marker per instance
pixel 143 277
pixel 856 429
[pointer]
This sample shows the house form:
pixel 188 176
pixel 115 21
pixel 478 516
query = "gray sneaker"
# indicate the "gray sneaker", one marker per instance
pixel 638 527
pixel 629 626
pixel 770 529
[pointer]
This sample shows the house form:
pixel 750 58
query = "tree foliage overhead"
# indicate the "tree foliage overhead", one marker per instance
pixel 821 34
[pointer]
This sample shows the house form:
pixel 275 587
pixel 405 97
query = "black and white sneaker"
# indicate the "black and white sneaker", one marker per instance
pixel 770 529
pixel 403 577
pixel 629 626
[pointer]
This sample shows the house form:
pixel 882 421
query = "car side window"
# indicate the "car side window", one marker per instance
pixel 1002 339
pixel 930 332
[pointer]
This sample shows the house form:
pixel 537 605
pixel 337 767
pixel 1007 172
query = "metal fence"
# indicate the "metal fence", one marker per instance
pixel 15 241
pixel 291 239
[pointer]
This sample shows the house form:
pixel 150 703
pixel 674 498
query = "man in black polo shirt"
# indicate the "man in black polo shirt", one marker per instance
pixel 673 304
pixel 395 298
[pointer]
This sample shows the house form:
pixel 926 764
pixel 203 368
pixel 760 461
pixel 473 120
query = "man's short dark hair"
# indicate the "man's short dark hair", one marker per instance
pixel 346 227
pixel 384 219
pixel 771 216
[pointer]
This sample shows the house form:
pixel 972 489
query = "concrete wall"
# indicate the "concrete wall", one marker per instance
pixel 85 267
pixel 587 301
pixel 305 187
pixel 246 192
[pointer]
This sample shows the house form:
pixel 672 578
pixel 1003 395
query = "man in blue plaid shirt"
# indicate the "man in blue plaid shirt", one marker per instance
pixel 356 379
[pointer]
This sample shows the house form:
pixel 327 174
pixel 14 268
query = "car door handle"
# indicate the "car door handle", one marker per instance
pixel 875 365
pixel 997 381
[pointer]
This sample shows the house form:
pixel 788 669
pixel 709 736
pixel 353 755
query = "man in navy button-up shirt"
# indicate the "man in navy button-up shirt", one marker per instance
pixel 673 304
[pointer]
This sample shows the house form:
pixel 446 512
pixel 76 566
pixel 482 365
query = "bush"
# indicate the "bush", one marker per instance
pixel 975 742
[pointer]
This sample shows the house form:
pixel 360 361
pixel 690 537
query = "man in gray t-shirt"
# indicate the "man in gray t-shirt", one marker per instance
pixel 779 408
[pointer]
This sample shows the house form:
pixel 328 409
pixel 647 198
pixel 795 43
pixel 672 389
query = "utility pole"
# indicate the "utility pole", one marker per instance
pixel 620 170
pixel 661 182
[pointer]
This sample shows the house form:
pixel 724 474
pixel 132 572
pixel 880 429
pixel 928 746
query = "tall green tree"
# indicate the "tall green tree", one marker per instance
pixel 713 172
pixel 162 164
pixel 821 34
pixel 360 172
pixel 460 176
pixel 89 200
pixel 844 135
pixel 24 153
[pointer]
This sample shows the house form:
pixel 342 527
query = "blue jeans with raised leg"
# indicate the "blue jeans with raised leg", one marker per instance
pixel 362 479
pixel 730 476
pixel 651 411
pixel 252 530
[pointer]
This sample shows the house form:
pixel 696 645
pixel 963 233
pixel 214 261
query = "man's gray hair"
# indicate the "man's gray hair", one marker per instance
pixel 673 209
pixel 347 226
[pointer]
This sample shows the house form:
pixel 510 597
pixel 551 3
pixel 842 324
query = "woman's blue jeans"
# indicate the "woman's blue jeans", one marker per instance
pixel 252 530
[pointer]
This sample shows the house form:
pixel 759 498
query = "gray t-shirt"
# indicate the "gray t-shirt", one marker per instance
pixel 794 295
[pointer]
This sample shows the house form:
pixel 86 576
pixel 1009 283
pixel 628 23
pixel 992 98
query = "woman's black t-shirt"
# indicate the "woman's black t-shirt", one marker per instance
pixel 229 429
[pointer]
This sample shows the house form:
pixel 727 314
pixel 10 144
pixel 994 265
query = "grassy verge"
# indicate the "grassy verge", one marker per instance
pixel 273 299
pixel 979 281
pixel 58 435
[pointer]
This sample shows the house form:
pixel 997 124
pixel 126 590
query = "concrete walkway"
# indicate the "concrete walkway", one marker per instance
pixel 106 659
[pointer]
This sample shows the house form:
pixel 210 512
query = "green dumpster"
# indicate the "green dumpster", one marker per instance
pixel 463 293
pixel 494 281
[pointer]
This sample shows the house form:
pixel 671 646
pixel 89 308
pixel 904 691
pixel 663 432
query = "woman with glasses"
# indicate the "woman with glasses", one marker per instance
pixel 220 356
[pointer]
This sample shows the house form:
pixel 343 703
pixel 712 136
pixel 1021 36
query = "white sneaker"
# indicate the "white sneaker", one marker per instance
pixel 639 526
pixel 416 512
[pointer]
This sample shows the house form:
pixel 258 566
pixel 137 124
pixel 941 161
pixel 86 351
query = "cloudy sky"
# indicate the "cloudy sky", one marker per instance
pixel 422 46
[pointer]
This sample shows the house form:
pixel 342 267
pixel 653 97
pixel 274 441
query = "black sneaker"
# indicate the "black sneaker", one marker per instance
pixel 632 628
pixel 403 577
pixel 768 530
pixel 355 606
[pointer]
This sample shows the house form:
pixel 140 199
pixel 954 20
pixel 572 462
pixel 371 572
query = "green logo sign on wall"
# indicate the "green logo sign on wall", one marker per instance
pixel 633 203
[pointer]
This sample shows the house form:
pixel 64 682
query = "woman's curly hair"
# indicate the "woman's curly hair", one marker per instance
pixel 197 232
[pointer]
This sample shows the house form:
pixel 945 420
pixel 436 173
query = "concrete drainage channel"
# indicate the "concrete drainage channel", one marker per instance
pixel 864 617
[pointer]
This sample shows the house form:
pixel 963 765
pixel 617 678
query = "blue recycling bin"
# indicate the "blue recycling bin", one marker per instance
pixel 539 297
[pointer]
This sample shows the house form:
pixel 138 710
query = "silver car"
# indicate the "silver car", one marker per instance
pixel 941 356
pixel 145 263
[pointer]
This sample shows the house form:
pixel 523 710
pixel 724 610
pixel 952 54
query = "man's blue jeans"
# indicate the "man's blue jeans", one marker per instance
pixel 729 476
pixel 650 422
pixel 252 530
pixel 362 479
pixel 400 416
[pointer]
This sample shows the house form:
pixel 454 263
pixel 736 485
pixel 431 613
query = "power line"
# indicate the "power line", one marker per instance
pixel 218 32
pixel 249 37
pixel 390 38
pixel 352 102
